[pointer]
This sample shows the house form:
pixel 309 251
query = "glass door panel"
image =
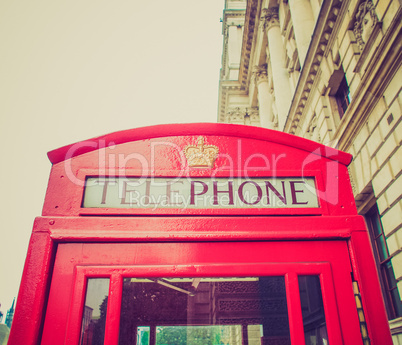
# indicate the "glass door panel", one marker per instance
pixel 94 313
pixel 204 311
pixel 314 324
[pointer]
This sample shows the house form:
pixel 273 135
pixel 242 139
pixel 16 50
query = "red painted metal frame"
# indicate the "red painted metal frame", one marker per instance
pixel 366 274
pixel 195 129
pixel 169 229
pixel 244 152
pixel 52 230
pixel 32 297
pixel 208 259
pixel 63 220
pixel 289 271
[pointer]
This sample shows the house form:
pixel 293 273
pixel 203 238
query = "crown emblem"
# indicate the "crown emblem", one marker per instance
pixel 201 155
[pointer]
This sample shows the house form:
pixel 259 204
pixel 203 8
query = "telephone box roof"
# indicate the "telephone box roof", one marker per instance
pixel 216 129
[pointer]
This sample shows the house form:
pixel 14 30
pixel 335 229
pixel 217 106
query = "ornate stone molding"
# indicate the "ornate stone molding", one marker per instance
pixel 226 88
pixel 322 37
pixel 274 119
pixel 249 35
pixel 376 77
pixel 352 180
pixel 366 19
pixel 312 130
pixel 269 18
pixel 228 25
pixel 235 114
pixel 239 114
pixel 260 74
pixel 230 18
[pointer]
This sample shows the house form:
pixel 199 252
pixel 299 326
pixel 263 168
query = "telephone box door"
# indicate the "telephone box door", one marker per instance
pixel 202 293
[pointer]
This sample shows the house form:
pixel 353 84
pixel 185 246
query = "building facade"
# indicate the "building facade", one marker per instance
pixel 329 71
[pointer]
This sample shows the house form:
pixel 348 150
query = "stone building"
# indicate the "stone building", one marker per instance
pixel 329 71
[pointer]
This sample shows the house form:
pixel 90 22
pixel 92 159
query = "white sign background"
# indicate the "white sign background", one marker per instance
pixel 200 193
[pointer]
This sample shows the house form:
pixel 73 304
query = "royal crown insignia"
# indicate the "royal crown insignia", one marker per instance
pixel 201 156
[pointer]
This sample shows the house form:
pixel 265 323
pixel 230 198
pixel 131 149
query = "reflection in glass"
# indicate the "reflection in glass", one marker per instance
pixel 199 335
pixel 393 288
pixel 382 248
pixel 143 335
pixel 94 314
pixel 315 327
pixel 204 311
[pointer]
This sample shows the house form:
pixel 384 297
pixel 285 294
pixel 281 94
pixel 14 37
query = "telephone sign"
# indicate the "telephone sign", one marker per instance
pixel 138 192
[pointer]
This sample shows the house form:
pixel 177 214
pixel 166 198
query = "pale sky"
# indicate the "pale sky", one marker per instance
pixel 71 70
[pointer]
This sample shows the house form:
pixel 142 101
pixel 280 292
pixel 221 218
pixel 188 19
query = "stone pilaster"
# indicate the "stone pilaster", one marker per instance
pixel 260 75
pixel 313 130
pixel 280 76
pixel 303 25
pixel 234 50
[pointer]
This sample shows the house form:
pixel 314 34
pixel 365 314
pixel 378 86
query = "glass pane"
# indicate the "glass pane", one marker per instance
pixel 199 335
pixel 396 300
pixel 315 328
pixel 204 311
pixel 94 314
pixel 376 225
pixel 389 272
pixel 382 248
pixel 393 290
pixel 143 335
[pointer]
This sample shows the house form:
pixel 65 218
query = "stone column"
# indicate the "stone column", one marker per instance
pixel 264 96
pixel 234 51
pixel 280 76
pixel 303 25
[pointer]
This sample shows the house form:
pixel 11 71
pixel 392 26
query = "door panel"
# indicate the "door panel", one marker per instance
pixel 303 266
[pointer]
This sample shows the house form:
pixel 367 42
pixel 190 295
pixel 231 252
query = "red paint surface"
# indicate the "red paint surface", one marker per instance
pixel 32 297
pixel 206 259
pixel 243 151
pixel 195 129
pixel 116 242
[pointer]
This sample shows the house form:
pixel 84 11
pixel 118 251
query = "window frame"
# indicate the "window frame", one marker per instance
pixel 290 271
pixel 342 97
pixel 388 283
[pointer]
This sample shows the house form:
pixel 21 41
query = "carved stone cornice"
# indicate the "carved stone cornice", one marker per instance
pixel 227 26
pixel 235 115
pixel 230 18
pixel 249 36
pixel 260 74
pixel 228 86
pixel 384 64
pixel 269 18
pixel 225 88
pixel 239 114
pixel 312 130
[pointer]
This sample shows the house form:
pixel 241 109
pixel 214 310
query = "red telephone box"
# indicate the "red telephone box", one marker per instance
pixel 199 234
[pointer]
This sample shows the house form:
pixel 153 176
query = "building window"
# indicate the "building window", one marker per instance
pixel 343 97
pixel 386 273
